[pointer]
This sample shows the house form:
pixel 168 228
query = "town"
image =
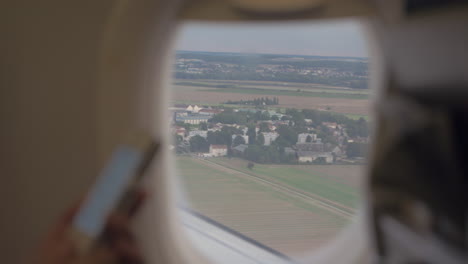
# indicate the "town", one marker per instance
pixel 296 69
pixel 264 134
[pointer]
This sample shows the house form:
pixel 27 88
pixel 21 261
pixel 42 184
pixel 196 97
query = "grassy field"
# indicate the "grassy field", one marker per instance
pixel 269 216
pixel 347 101
pixel 268 85
pixel 338 183
pixel 271 92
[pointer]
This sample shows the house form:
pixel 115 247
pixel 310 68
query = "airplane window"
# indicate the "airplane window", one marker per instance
pixel 271 128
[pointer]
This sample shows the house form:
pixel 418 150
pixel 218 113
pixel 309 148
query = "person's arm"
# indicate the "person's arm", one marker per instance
pixel 119 245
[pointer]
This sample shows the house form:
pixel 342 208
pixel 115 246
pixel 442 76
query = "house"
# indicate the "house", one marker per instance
pixel 331 125
pixel 338 152
pixel 316 147
pixel 269 137
pixel 201 133
pixel 302 138
pixel 289 151
pixel 240 149
pixel 311 156
pixel 218 150
pixel 180 131
pixel 210 112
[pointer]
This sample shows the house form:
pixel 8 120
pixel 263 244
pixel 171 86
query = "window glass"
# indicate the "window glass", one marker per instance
pixel 271 128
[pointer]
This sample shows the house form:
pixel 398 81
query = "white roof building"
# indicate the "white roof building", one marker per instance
pixel 302 138
pixel 269 137
pixel 218 150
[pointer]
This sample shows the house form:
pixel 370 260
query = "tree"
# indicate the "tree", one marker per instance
pixel 264 127
pixel 252 134
pixel 203 126
pixel 261 139
pixel 238 140
pixel 184 125
pixel 198 144
pixel 308 139
pixel 250 165
pixel 177 139
pixel 287 134
pixel 274 117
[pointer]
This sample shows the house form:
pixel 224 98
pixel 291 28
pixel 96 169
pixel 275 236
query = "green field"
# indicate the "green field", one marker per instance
pixel 269 88
pixel 279 220
pixel 198 177
pixel 267 85
pixel 338 187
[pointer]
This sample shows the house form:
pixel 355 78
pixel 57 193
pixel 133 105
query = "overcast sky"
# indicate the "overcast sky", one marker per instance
pixel 337 38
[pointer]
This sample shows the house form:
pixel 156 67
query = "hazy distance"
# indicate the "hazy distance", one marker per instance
pixel 327 38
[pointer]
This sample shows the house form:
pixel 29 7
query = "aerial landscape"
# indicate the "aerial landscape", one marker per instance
pixel 272 146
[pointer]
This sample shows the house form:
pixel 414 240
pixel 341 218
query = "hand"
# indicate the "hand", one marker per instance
pixel 119 245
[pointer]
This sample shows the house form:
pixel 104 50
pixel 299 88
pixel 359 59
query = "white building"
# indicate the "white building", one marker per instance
pixel 269 137
pixel 302 138
pixel 193 119
pixel 201 133
pixel 311 156
pixel 218 150
pixel 193 109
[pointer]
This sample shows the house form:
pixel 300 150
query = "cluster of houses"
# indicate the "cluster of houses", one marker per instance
pixel 309 146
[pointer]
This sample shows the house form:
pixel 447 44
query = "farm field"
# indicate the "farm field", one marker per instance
pixel 274 218
pixel 332 101
pixel 337 183
pixel 270 86
pixel 275 92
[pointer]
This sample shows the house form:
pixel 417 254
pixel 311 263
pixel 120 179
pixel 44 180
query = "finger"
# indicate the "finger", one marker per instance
pixel 101 255
pixel 140 197
pixel 118 223
pixel 127 250
pixel 65 220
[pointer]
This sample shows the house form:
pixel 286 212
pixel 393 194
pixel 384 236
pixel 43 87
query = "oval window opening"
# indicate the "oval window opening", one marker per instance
pixel 271 129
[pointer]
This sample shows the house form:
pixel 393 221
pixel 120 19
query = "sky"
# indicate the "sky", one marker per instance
pixel 337 38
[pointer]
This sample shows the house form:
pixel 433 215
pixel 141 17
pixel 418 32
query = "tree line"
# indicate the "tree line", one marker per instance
pixel 257 101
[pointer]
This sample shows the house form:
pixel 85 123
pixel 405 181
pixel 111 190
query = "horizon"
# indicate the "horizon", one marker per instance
pixel 276 54
pixel 334 38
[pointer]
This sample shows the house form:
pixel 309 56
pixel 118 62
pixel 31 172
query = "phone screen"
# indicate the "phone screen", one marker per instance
pixel 108 190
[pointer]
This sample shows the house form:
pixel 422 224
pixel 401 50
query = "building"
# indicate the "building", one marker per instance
pixel 193 119
pixel 289 151
pixel 239 150
pixel 316 147
pixel 218 150
pixel 311 156
pixel 201 133
pixel 269 137
pixel 179 131
pixel 193 109
pixel 331 125
pixel 210 112
pixel 302 138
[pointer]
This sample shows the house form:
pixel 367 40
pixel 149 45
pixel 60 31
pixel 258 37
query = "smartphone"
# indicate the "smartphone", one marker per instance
pixel 114 189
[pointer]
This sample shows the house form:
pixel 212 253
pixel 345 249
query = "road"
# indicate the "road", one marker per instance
pixel 307 197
